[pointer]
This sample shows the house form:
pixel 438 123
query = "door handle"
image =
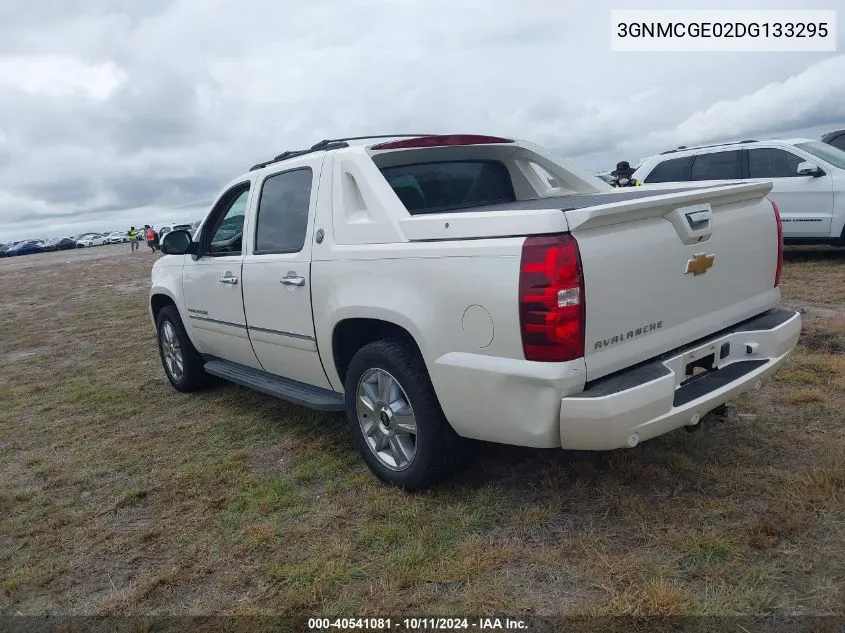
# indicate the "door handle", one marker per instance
pixel 229 278
pixel 699 219
pixel 293 280
pixel 693 223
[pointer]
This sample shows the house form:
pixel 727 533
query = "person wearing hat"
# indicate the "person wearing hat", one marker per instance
pixel 622 175
pixel 151 236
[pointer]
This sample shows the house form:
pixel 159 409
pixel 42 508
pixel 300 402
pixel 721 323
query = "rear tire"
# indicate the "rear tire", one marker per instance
pixel 182 364
pixel 388 393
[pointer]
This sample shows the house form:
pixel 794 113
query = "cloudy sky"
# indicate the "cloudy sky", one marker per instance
pixel 118 112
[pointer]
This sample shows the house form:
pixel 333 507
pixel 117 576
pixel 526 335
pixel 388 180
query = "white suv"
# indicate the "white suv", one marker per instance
pixel 808 180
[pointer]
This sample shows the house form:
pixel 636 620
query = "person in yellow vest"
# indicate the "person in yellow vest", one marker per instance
pixel 622 175
pixel 133 239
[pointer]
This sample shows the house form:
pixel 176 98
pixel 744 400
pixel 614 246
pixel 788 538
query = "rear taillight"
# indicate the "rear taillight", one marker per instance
pixel 551 299
pixel 780 243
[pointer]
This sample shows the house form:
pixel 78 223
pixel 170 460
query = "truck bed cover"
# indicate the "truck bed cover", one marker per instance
pixel 571 202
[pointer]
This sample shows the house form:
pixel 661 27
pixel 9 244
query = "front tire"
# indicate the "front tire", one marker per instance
pixel 182 363
pixel 395 418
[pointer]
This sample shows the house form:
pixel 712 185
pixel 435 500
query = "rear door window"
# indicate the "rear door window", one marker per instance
pixel 448 185
pixel 718 166
pixel 671 170
pixel 283 211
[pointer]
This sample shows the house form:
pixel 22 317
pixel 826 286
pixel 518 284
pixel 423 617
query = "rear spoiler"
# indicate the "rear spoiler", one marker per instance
pixel 643 207
pixel 567 213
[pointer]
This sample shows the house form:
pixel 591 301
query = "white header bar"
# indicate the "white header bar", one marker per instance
pixel 723 31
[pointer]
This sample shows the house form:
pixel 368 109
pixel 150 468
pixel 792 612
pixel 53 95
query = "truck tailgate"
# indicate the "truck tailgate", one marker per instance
pixel 662 268
pixel 661 272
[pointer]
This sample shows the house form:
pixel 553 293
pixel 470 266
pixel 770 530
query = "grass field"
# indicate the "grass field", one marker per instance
pixel 119 495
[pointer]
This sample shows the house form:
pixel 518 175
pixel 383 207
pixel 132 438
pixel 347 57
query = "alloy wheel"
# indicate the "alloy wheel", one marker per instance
pixel 172 351
pixel 387 419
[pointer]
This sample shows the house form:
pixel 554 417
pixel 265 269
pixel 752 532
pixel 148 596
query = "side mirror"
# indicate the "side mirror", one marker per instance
pixel 809 168
pixel 178 243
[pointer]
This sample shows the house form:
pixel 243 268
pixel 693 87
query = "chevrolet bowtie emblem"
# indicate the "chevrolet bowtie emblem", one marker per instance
pixel 699 264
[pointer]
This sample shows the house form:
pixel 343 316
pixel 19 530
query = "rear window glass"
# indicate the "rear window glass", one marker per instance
pixel 718 166
pixel 672 170
pixel 443 186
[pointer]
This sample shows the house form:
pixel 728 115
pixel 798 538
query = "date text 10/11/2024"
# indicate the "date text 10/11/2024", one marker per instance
pixel 416 624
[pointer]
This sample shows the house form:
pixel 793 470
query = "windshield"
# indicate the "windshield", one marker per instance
pixel 827 153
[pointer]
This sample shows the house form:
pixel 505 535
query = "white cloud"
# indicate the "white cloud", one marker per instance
pixel 54 76
pixel 816 93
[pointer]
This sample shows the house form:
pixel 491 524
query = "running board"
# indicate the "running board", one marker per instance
pixel 284 388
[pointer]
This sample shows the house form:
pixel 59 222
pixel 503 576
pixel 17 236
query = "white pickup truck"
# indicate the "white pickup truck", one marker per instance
pixel 440 287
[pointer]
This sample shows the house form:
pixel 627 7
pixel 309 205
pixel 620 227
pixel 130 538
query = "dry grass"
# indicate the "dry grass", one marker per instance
pixel 119 495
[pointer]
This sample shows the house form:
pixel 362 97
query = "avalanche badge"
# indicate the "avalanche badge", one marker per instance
pixel 699 264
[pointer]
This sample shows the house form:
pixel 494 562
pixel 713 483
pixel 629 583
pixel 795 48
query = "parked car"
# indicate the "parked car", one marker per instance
pixel 808 180
pixel 433 289
pixel 117 237
pixel 167 228
pixel 59 244
pixel 26 247
pixel 91 239
pixel 4 250
pixel 837 139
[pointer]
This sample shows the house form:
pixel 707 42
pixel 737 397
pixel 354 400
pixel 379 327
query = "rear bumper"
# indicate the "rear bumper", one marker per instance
pixel 630 407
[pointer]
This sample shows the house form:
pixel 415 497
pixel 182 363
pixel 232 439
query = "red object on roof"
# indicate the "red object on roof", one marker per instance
pixel 442 140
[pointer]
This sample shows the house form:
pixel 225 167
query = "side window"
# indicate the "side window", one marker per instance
pixel 839 142
pixel 718 166
pixel 283 211
pixel 671 170
pixel 772 163
pixel 225 229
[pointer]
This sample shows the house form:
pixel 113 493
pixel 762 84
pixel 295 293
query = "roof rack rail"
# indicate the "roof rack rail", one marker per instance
pixel 328 144
pixel 299 152
pixel 681 148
